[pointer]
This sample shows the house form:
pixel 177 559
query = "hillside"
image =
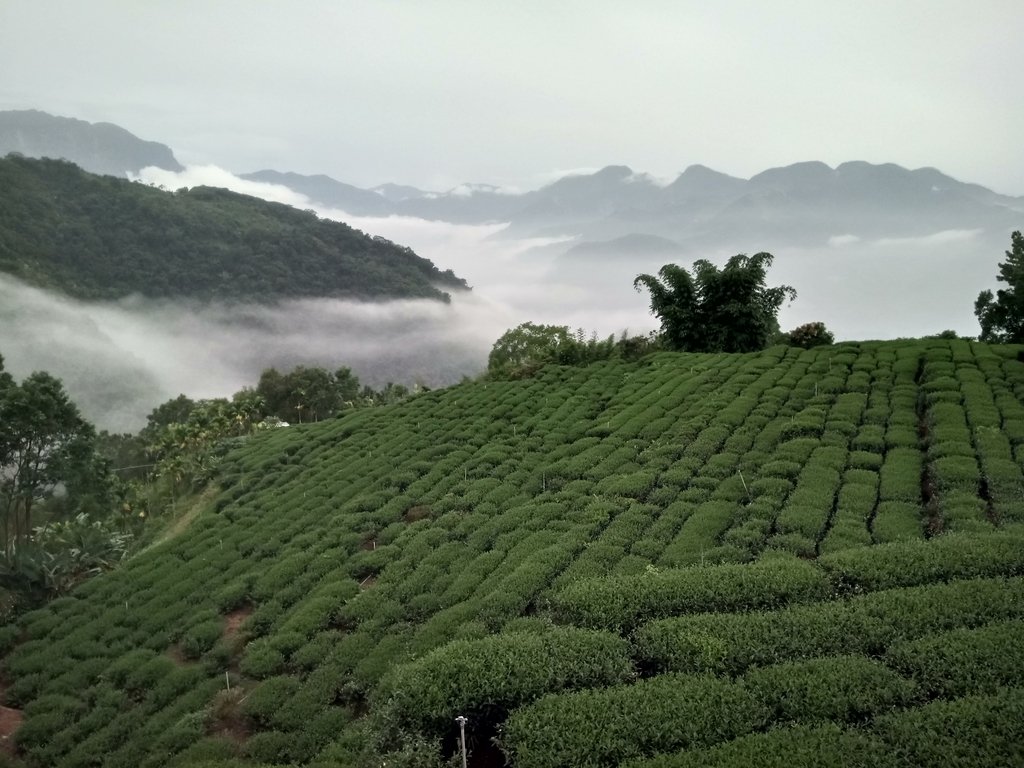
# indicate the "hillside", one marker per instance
pixel 786 558
pixel 97 237
pixel 97 147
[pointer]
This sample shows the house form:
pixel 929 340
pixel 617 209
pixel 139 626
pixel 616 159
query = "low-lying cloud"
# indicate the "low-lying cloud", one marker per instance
pixel 121 359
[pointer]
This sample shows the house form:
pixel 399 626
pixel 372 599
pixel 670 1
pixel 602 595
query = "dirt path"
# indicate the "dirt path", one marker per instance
pixel 10 721
pixel 234 620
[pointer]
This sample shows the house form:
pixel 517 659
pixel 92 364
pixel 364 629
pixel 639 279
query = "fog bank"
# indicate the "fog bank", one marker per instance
pixel 120 359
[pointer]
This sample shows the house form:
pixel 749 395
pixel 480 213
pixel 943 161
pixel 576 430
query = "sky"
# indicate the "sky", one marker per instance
pixel 514 94
pixel 439 93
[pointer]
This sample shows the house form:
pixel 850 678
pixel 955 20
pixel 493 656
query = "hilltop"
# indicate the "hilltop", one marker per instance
pixel 98 237
pixel 102 148
pixel 793 557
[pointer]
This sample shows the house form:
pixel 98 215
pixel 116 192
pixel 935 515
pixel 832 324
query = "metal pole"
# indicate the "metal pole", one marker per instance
pixel 462 730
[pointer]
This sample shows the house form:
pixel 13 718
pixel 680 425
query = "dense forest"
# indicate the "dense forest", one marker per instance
pixel 99 237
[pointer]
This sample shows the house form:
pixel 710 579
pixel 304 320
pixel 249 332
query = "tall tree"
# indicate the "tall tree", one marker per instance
pixel 307 394
pixel 716 310
pixel 45 446
pixel 1002 316
pixel 527 345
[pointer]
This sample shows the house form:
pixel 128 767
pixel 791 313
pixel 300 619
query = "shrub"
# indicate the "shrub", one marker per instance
pixel 498 673
pixel 841 688
pixel 868 624
pixel 964 661
pixel 973 731
pixel 908 563
pixel 623 602
pixel 606 727
pixel 261 659
pixel 262 703
pixel 201 638
pixel 801 746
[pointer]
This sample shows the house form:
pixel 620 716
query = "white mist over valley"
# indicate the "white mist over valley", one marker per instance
pixel 120 359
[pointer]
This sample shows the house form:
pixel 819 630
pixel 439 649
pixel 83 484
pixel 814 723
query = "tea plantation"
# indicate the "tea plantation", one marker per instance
pixel 796 557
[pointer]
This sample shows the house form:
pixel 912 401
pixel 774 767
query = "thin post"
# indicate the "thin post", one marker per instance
pixel 462 737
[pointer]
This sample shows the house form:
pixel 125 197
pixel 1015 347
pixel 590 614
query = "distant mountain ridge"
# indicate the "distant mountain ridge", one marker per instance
pixel 806 203
pixel 102 148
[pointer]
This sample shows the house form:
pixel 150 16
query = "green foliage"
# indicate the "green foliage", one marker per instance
pixel 622 602
pixel 969 732
pixel 99 237
pixel 607 727
pixel 728 309
pixel 809 335
pixel 188 453
pixel 492 675
pixel 731 643
pixel 822 746
pixel 837 688
pixel 526 347
pixel 365 579
pixel 904 564
pixel 1002 316
pixel 54 491
pixel 522 350
pixel 964 661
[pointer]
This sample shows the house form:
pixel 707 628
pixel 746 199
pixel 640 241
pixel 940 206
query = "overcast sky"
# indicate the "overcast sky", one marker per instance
pixel 512 93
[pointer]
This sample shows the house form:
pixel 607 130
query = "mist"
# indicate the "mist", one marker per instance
pixel 120 359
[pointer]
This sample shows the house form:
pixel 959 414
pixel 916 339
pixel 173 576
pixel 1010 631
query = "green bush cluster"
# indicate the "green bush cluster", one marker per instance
pixel 800 746
pixel 497 673
pixel 621 602
pixel 964 661
pixel 607 727
pixel 969 732
pixel 943 558
pixel 729 643
pixel 475 516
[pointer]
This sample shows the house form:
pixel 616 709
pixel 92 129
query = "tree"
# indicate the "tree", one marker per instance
pixel 189 452
pixel 308 394
pixel 809 335
pixel 716 310
pixel 46 447
pixel 1002 316
pixel 527 346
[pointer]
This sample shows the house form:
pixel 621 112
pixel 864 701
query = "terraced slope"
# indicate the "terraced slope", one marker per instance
pixel 789 558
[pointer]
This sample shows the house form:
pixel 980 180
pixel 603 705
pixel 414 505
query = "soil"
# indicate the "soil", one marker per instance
pixel 227 722
pixel 368 582
pixel 233 621
pixel 10 721
pixel 233 730
pixel 417 512
pixel 175 654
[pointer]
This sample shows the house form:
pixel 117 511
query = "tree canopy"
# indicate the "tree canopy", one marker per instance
pixel 809 335
pixel 522 350
pixel 56 493
pixel 716 310
pixel 45 445
pixel 1002 316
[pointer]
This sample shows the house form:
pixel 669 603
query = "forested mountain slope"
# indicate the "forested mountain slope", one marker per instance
pixel 98 237
pixel 784 558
